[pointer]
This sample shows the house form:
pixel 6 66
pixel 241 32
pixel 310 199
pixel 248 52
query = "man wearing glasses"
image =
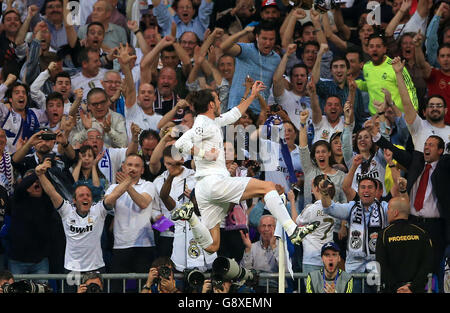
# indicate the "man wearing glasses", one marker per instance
pixel 102 118
pixel 434 112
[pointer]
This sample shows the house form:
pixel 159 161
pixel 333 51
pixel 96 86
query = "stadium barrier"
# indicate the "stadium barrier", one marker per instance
pixel 142 277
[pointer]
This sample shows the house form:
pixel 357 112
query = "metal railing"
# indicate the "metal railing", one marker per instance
pixel 143 276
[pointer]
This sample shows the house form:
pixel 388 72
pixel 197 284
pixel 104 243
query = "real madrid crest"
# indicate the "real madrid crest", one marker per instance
pixel 193 250
pixel 373 241
pixel 356 241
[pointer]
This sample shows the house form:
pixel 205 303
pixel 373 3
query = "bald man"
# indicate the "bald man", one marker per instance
pixel 404 251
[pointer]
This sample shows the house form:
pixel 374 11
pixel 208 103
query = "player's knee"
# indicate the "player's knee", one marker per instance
pixel 269 186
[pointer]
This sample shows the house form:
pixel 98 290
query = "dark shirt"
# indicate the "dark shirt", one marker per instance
pixel 404 252
pixel 31 229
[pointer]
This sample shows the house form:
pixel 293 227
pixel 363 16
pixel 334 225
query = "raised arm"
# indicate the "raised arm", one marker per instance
pixel 278 79
pixel 288 34
pixel 315 107
pixel 420 57
pixel 410 112
pixel 184 57
pixel 168 117
pixel 331 36
pixel 303 135
pixel 350 193
pixel 71 33
pixel 134 27
pixel 230 47
pixel 404 9
pixel 47 186
pixel 153 57
pixel 315 18
pixel 315 72
pixel 155 159
pixel 23 151
pixel 20 37
pixel 343 29
pixel 199 58
pixel 134 143
pixel 124 60
pixel 257 87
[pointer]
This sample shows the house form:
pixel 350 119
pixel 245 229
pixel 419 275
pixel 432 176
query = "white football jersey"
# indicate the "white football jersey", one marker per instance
pixel 313 242
pixel 206 134
pixel 83 248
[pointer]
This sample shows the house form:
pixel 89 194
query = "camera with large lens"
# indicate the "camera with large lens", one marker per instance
pixel 93 288
pixel 194 277
pixel 26 286
pixel 230 270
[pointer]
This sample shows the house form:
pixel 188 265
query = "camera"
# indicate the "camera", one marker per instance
pixel 93 288
pixel 194 277
pixel 48 136
pixel 163 272
pixel 228 269
pixel 26 286
pixel 325 5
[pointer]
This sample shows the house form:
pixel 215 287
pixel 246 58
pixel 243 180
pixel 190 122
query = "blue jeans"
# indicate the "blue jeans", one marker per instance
pixel 17 267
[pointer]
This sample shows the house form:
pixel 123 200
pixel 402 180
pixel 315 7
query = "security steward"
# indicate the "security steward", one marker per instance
pixel 404 251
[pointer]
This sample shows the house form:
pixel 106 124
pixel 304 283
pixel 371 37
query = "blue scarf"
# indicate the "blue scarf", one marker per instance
pixel 285 153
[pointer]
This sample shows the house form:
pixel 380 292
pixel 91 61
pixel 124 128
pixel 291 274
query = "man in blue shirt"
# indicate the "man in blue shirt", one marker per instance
pixel 257 60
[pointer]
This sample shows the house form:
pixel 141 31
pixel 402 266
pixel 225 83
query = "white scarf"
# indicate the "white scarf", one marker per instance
pixel 6 173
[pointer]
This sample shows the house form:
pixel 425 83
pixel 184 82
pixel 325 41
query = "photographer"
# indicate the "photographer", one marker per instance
pixel 91 282
pixel 160 278
pixel 6 277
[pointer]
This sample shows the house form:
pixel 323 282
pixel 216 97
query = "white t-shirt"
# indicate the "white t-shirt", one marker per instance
pixel 294 105
pixel 422 129
pixel 323 130
pixel 81 81
pixel 206 134
pixel 83 247
pixel 136 115
pixel 132 226
pixel 179 183
pixel 111 162
pixel 312 243
pixel 376 170
pixel 415 23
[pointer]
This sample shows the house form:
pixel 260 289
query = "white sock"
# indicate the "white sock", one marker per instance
pixel 279 211
pixel 201 234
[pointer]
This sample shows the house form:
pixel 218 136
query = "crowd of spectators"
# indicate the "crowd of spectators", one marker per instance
pixel 94 95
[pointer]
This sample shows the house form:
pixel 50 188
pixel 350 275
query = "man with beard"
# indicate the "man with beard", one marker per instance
pixel 378 74
pixel 329 279
pixel 257 60
pixel 19 121
pixel 339 86
pixel 296 100
pixel 434 113
pixel 53 17
pixel 215 189
pixel 270 11
pixel 365 217
pixel 333 121
pixel 438 80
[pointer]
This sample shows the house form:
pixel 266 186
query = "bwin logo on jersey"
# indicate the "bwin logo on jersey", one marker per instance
pixel 80 230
